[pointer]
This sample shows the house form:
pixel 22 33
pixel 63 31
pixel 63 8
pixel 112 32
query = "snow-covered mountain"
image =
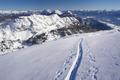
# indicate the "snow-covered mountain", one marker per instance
pixel 22 28
pixel 19 30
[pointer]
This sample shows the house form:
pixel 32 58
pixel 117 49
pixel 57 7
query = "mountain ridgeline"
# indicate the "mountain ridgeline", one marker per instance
pixel 23 29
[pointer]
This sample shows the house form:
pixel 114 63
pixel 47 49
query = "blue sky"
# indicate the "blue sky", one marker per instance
pixel 60 4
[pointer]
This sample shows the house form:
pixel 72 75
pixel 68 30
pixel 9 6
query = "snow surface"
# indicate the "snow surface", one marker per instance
pixel 40 62
pixel 90 56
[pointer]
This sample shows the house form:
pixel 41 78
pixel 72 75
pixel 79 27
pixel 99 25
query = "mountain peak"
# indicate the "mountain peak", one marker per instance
pixel 58 12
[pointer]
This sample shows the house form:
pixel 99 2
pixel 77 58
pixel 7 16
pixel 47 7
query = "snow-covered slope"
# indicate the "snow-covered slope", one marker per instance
pixel 102 52
pixel 39 62
pixel 90 56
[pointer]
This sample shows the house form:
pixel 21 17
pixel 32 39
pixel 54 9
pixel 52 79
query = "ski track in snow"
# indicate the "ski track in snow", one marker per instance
pixel 73 70
pixel 72 73
pixel 67 62
pixel 76 64
pixel 92 71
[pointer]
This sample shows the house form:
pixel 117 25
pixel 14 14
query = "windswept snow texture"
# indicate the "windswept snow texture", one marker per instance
pixel 105 48
pixel 101 56
pixel 96 58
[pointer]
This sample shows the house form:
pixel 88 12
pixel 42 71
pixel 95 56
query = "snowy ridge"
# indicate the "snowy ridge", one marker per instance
pixel 58 12
pixel 12 31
